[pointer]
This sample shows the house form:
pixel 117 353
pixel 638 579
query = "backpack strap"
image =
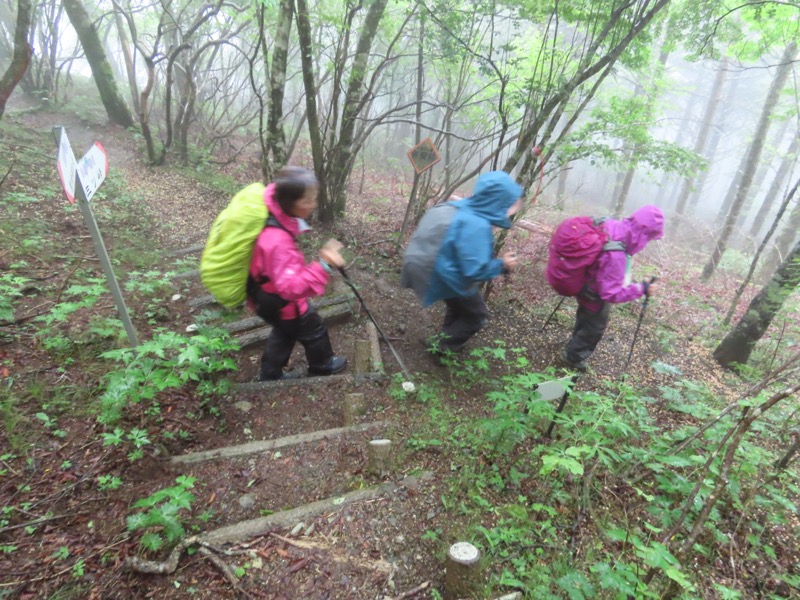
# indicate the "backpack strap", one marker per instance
pixel 253 284
pixel 273 222
pixel 610 245
pixel 614 245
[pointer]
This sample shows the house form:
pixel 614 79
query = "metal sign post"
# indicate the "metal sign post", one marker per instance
pixel 80 181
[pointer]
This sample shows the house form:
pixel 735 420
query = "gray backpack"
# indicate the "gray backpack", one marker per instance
pixel 423 248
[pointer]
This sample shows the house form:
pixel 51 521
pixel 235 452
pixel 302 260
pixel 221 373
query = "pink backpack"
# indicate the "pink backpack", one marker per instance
pixel 575 246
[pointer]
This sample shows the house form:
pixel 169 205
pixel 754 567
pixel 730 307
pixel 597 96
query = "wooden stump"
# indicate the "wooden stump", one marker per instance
pixel 375 348
pixel 380 457
pixel 464 578
pixel 353 407
pixel 361 359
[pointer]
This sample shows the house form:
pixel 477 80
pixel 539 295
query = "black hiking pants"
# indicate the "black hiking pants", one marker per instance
pixel 589 328
pixel 309 330
pixel 464 317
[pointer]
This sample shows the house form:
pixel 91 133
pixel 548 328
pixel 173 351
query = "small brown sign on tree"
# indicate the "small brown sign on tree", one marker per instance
pixel 423 156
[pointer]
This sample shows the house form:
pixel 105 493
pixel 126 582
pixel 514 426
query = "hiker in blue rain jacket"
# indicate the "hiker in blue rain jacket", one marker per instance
pixel 451 254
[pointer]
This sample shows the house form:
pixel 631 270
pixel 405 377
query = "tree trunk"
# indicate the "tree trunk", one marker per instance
pixel 669 182
pixel 624 185
pixel 130 68
pixel 276 138
pixel 561 188
pixel 774 189
pixel 702 136
pixel 314 132
pixel 621 183
pixel 761 174
pixel 753 156
pixel 713 146
pixel 144 109
pixel 740 341
pixel 22 54
pixel 783 244
pixel 118 111
pixel 754 262
pixel 412 201
pixel 341 162
pixel 733 188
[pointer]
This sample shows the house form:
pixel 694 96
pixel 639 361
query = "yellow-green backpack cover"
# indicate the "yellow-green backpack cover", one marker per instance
pixel 225 264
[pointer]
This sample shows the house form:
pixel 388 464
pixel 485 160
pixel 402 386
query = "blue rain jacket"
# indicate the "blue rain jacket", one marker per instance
pixel 465 258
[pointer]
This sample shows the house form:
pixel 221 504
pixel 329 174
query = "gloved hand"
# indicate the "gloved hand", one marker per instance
pixel 510 260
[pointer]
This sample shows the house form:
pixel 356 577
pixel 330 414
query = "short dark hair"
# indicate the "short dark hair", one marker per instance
pixel 291 184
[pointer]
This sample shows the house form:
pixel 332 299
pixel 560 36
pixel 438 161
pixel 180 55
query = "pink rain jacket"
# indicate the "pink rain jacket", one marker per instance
pixel 277 257
pixel 607 275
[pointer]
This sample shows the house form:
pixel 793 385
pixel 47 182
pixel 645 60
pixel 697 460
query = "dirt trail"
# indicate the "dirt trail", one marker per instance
pixel 368 549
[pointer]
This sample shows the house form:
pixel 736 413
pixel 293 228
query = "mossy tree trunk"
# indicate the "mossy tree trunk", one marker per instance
pixel 117 109
pixel 343 155
pixel 276 138
pixel 310 86
pixel 740 341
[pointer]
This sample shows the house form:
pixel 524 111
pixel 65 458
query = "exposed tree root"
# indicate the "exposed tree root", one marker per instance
pixel 153 567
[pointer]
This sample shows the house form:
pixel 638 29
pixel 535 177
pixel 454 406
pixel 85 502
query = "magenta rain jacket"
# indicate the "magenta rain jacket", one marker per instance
pixel 277 257
pixel 607 276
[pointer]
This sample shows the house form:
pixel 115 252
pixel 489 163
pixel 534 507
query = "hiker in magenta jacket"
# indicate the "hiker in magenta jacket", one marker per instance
pixel 281 281
pixel 609 281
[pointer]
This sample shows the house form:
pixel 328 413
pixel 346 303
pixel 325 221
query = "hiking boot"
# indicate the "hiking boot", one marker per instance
pixel 563 361
pixel 335 365
pixel 293 374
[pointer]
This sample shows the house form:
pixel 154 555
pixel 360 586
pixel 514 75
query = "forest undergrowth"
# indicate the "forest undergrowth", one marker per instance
pixel 663 478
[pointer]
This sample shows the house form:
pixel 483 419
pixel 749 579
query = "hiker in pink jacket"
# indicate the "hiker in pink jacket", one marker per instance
pixel 609 281
pixel 281 281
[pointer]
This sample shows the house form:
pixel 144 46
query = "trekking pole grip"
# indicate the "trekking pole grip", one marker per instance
pixel 647 285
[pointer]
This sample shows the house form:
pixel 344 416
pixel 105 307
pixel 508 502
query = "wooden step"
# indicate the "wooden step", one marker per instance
pixel 265 386
pixel 260 446
pixel 188 250
pixel 330 314
pixel 289 518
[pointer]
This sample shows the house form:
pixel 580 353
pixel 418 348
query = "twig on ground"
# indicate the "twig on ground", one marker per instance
pixel 66 280
pixel 39 521
pixel 413 591
pixel 225 569
pixel 3 180
pixel 375 243
pixel 297 544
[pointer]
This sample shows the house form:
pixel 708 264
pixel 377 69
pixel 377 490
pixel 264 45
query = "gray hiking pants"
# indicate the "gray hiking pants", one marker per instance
pixel 589 329
pixel 464 317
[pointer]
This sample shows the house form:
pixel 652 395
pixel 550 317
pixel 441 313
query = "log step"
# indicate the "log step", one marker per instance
pixel 289 518
pixel 329 314
pixel 265 386
pixel 194 274
pixel 259 446
pixel 188 250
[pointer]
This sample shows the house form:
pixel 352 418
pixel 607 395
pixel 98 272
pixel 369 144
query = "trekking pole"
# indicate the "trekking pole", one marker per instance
pixel 553 314
pixel 639 323
pixel 352 286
